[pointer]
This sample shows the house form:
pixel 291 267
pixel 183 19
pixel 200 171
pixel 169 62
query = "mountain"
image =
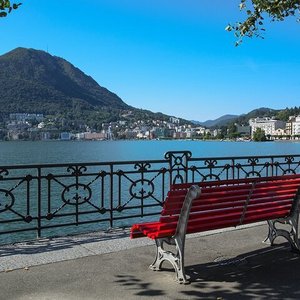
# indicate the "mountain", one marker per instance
pixel 223 120
pixel 35 81
pixel 240 119
pixel 257 113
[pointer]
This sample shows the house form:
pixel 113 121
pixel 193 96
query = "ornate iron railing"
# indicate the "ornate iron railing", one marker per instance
pixel 45 198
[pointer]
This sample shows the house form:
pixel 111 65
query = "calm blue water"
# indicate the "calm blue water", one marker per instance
pixel 19 152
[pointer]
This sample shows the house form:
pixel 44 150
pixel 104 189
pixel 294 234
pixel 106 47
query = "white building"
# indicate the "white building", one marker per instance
pixel 174 120
pixel 200 130
pixel 296 126
pixel 216 132
pixel 268 125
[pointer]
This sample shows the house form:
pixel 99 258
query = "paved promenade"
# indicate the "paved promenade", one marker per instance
pixel 233 264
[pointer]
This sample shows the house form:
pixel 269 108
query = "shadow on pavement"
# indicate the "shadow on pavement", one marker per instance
pixel 45 245
pixel 272 273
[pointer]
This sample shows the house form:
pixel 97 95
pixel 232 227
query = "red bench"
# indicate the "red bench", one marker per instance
pixel 198 207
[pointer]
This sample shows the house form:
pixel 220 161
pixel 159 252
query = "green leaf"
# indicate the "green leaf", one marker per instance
pixel 7 4
pixel 228 28
pixel 15 6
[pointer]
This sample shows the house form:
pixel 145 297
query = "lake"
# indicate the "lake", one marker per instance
pixel 45 152
pixel 25 152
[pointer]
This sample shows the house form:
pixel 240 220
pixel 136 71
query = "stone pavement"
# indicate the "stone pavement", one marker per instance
pixel 232 264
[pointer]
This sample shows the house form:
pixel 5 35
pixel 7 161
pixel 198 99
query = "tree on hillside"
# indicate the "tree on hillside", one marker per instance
pixel 232 131
pixel 6 7
pixel 257 10
pixel 286 113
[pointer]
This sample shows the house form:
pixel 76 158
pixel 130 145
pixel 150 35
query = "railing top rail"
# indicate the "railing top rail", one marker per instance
pixel 153 161
pixel 53 165
pixel 243 157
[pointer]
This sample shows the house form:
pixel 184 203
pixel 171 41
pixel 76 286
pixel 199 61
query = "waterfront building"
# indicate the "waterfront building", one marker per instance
pixel 293 127
pixel 80 136
pixel 279 133
pixel 289 124
pixel 296 127
pixel 268 125
pixel 95 135
pixel 200 130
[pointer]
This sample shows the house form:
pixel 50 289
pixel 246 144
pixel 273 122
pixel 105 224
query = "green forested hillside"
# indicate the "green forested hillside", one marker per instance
pixel 34 81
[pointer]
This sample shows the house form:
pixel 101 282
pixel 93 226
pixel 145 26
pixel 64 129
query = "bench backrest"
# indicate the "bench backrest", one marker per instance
pixel 233 202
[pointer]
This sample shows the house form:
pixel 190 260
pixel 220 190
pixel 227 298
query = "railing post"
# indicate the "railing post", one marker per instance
pixel 111 195
pixel 39 206
pixel 233 170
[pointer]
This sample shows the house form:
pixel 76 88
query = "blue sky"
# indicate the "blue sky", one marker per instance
pixel 170 56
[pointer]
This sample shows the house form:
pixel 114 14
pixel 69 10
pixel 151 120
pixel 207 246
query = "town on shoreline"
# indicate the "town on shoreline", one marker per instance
pixel 34 127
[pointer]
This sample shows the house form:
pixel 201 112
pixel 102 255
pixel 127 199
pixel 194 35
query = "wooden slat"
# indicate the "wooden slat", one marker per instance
pixel 259 180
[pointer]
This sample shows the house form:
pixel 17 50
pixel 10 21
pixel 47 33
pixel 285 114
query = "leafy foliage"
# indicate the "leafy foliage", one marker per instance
pixel 259 135
pixel 256 113
pixel 286 113
pixel 6 7
pixel 257 10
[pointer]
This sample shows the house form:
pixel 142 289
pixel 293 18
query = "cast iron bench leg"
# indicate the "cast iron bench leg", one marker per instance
pixel 176 259
pixel 292 235
pixel 178 240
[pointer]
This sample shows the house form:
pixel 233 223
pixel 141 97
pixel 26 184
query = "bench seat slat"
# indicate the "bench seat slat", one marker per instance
pixel 231 201
pixel 259 182
pixel 199 207
pixel 229 204
pixel 204 199
pixel 212 215
pixel 205 193
pixel 206 205
pixel 232 193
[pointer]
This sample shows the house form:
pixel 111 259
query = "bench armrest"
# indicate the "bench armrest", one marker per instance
pixel 193 193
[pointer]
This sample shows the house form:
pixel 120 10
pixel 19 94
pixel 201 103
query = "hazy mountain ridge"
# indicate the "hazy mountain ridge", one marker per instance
pixel 210 123
pixel 240 119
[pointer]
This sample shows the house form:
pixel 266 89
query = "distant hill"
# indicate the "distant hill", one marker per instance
pixel 259 112
pixel 33 80
pixel 240 119
pixel 223 120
